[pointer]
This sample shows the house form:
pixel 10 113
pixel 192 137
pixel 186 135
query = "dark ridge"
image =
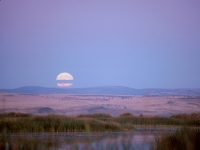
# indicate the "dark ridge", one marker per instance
pixel 107 90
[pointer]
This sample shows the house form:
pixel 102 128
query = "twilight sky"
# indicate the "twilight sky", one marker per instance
pixel 134 43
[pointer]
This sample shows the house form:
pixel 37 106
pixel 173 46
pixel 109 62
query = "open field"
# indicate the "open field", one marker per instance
pixel 66 104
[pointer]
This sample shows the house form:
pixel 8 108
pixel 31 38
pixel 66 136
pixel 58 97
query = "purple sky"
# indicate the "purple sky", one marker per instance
pixel 134 43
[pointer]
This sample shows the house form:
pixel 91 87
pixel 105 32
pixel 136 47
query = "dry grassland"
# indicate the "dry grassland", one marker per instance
pixel 86 104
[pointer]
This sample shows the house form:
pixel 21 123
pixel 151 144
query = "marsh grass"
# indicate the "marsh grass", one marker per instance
pixel 174 120
pixel 54 123
pixel 183 139
pixel 19 122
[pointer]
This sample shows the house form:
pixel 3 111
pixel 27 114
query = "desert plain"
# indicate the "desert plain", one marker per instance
pixel 72 105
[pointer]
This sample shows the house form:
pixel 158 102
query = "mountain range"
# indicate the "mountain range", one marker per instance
pixel 106 90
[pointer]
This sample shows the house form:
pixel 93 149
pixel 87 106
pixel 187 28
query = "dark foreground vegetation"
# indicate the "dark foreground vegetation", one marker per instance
pixel 19 122
pixel 183 139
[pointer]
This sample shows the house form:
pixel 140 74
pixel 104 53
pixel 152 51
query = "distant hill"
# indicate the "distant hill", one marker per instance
pixel 107 90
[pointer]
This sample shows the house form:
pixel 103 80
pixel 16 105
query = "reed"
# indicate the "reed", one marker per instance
pixel 186 138
pixel 18 122
pixel 183 139
pixel 54 123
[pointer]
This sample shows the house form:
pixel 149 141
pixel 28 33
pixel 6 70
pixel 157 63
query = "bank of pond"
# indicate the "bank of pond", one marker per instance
pixel 99 131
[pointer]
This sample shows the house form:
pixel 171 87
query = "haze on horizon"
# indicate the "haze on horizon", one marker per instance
pixel 138 44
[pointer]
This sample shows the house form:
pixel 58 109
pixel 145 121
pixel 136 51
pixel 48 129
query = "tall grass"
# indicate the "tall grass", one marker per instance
pixel 17 122
pixel 183 139
pixel 54 123
pixel 158 120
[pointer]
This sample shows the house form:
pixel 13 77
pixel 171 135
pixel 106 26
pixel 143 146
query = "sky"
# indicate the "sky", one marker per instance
pixel 132 43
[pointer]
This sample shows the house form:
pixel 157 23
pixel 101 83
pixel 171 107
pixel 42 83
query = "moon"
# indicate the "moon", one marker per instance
pixel 64 79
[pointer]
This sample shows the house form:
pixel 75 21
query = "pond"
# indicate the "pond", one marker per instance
pixel 143 140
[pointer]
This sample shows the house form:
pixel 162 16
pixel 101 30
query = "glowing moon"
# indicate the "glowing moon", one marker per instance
pixel 64 79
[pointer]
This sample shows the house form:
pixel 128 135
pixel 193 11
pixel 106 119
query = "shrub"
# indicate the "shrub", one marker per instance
pixel 126 115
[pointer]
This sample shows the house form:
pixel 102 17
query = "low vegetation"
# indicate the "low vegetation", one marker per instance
pixel 183 139
pixel 19 122
pixel 56 123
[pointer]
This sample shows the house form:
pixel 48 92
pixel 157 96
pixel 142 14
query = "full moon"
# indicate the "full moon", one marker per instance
pixel 64 79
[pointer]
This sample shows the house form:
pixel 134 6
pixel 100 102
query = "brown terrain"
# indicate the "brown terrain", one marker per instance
pixel 72 104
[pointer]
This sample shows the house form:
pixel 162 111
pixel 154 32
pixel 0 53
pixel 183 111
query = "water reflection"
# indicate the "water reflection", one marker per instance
pixel 144 140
